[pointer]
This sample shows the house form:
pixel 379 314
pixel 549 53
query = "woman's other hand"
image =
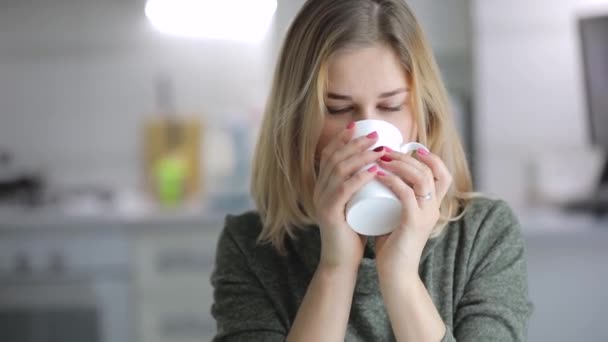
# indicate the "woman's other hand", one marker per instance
pixel 420 183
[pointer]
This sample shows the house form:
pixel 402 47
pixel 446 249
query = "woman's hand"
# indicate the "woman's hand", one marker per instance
pixel 338 180
pixel 412 179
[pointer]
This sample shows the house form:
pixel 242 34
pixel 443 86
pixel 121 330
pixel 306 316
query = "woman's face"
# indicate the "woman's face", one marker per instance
pixel 366 83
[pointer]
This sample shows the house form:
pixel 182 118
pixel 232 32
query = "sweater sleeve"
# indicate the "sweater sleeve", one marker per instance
pixel 241 307
pixel 495 304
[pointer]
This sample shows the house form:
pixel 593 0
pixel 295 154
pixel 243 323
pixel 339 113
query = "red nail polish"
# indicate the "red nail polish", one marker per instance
pixel 373 135
pixel 350 125
pixel 372 169
pixel 386 159
pixel 379 149
pixel 422 152
pixel 381 173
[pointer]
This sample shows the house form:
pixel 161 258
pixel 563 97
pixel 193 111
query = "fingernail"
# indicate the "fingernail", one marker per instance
pixel 351 125
pixel 422 152
pixel 372 169
pixel 373 135
pixel 379 149
pixel 386 159
pixel 381 173
pixel 388 149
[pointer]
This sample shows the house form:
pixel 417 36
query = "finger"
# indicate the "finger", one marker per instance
pixel 340 140
pixel 357 145
pixel 421 181
pixel 342 192
pixel 355 163
pixel 352 148
pixel 440 172
pixel 405 194
pixel 337 142
pixel 406 158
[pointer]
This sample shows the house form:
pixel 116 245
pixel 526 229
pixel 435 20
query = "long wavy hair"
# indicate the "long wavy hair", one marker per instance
pixel 284 175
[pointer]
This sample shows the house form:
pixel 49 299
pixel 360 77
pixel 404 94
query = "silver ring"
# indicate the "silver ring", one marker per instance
pixel 425 197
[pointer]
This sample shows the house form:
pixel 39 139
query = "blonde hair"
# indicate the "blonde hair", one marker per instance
pixel 284 175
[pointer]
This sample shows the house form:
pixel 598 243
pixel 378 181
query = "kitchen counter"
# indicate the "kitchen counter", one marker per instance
pixel 541 223
pixel 535 223
pixel 22 220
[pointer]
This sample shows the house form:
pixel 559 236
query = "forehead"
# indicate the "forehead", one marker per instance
pixel 368 69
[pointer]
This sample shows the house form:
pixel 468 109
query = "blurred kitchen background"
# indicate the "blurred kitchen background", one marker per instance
pixel 125 139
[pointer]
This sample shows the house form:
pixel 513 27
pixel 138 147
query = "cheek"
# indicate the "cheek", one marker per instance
pixel 406 125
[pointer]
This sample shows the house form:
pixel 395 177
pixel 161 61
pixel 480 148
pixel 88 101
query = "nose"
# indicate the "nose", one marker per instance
pixel 366 113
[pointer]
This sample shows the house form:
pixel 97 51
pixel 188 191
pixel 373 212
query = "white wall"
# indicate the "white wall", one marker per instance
pixel 529 100
pixel 77 79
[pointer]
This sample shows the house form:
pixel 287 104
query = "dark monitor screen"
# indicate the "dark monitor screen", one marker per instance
pixel 594 44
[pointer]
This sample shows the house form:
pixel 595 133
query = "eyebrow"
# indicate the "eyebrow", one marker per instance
pixel 336 96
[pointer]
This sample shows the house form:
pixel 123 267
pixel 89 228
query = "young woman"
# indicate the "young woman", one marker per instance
pixel 453 270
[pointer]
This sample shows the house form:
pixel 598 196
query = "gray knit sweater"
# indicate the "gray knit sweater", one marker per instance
pixel 475 272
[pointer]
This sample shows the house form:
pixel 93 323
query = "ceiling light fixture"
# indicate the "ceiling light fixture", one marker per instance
pixel 235 20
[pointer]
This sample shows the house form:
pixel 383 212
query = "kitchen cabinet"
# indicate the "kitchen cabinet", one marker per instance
pixel 174 293
pixel 128 280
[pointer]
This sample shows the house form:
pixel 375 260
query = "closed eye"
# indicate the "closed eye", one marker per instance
pixel 392 109
pixel 342 110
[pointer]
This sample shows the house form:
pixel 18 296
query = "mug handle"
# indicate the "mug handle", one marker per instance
pixel 412 146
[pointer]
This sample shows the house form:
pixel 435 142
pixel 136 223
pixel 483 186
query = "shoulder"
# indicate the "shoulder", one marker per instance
pixel 489 224
pixel 240 237
pixel 240 231
pixel 486 251
pixel 481 210
pixel 243 228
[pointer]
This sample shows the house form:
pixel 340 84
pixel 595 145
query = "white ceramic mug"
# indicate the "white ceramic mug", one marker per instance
pixel 375 209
